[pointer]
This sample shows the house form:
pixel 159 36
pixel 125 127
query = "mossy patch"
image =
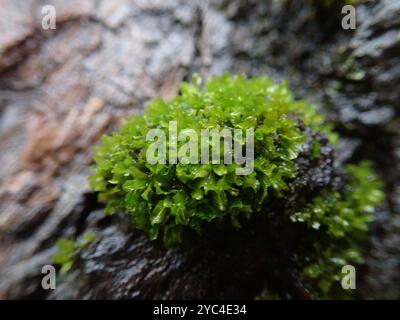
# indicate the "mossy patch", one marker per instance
pixel 168 200
pixel 164 199
pixel 69 249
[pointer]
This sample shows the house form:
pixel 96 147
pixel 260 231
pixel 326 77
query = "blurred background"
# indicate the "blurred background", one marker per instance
pixel 62 88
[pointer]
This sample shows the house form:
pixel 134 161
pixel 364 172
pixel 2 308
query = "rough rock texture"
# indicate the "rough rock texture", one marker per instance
pixel 60 90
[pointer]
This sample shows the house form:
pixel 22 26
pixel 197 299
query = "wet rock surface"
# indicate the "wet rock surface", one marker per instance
pixel 60 90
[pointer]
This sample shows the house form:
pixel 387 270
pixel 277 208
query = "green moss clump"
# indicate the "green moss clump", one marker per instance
pixel 164 199
pixel 168 200
pixel 341 220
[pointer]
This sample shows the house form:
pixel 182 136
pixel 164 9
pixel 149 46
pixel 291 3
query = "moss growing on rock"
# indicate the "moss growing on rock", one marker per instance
pixel 342 219
pixel 174 201
pixel 164 199
pixel 69 249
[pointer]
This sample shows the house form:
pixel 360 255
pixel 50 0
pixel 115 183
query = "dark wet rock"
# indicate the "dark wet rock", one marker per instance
pixel 345 150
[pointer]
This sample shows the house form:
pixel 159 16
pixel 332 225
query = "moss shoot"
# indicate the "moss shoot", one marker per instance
pixel 69 249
